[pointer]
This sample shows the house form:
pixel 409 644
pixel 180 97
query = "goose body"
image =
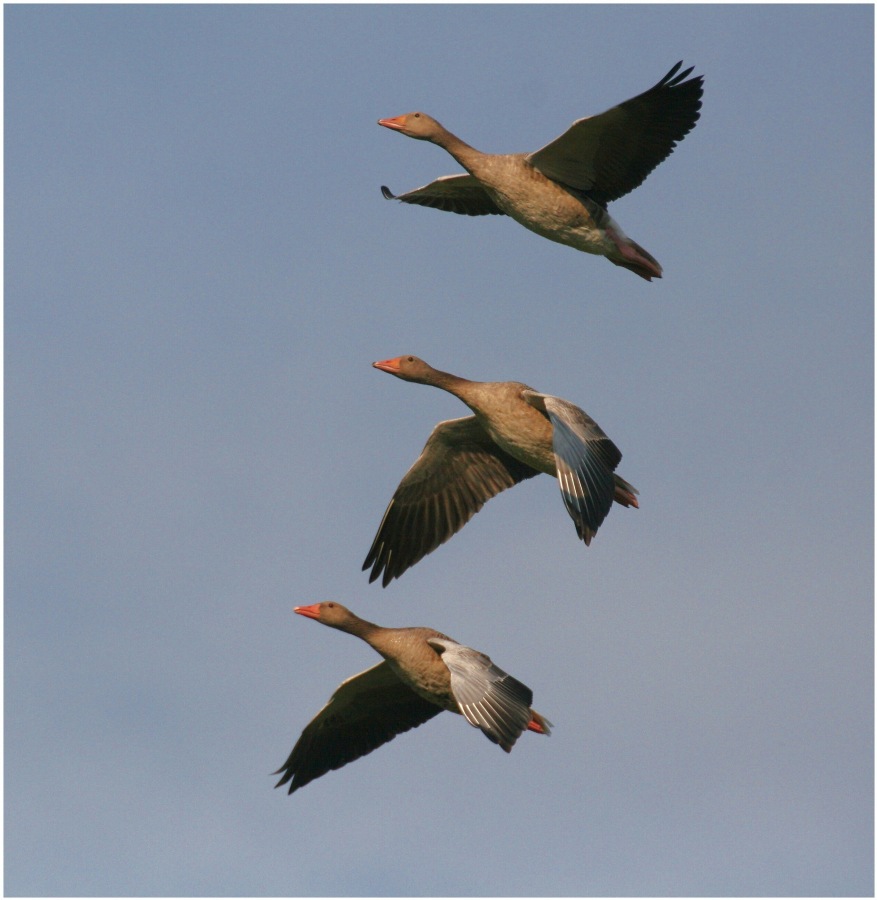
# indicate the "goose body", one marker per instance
pixel 561 192
pixel 423 673
pixel 514 433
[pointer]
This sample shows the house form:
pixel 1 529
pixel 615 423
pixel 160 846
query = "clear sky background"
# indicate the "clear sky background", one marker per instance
pixel 199 271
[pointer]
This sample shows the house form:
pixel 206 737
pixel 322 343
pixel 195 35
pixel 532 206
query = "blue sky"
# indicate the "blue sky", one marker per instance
pixel 199 271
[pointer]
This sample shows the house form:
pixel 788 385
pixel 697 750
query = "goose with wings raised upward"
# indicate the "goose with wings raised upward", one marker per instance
pixel 562 190
pixel 423 673
pixel 514 434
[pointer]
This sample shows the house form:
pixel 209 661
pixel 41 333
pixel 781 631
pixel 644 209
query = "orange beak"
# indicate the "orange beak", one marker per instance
pixel 388 365
pixel 312 612
pixel 397 122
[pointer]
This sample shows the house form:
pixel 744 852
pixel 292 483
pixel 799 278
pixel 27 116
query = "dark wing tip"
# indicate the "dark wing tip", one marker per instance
pixel 388 194
pixel 288 771
pixel 672 72
pixel 380 564
pixel 377 558
pixel 671 79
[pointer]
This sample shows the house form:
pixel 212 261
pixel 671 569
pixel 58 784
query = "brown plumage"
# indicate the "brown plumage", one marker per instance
pixel 514 434
pixel 561 191
pixel 423 673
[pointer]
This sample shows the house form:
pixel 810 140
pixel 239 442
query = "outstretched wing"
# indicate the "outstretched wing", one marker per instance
pixel 367 710
pixel 452 193
pixel 458 471
pixel 489 698
pixel 610 154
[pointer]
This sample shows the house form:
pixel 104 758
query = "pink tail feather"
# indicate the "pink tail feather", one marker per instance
pixel 625 493
pixel 631 256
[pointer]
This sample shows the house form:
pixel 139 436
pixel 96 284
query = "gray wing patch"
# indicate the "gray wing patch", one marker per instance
pixel 585 459
pixel 489 698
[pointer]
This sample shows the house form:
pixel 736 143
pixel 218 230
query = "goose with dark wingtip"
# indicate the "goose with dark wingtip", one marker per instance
pixel 561 191
pixel 514 434
pixel 423 673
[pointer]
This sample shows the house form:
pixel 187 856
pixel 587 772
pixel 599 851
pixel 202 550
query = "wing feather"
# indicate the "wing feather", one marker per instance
pixel 608 155
pixel 585 458
pixel 366 711
pixel 458 471
pixel 488 697
pixel 461 194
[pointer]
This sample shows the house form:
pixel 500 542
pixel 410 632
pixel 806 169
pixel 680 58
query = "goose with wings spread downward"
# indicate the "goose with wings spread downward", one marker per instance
pixel 423 673
pixel 514 434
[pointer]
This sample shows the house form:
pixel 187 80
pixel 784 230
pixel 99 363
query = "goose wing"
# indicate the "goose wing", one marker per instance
pixel 489 698
pixel 366 711
pixel 461 194
pixel 458 471
pixel 610 154
pixel 585 459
